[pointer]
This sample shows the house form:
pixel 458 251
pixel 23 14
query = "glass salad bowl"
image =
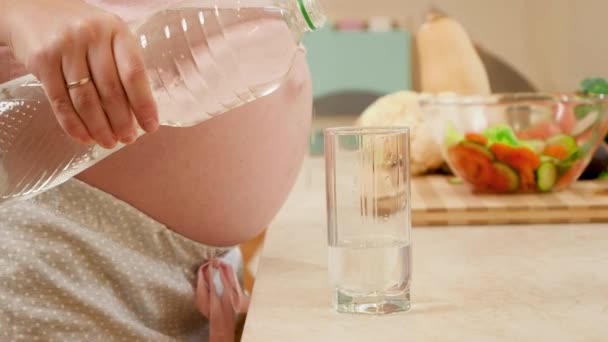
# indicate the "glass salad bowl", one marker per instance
pixel 520 142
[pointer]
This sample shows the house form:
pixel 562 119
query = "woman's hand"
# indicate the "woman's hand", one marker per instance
pixel 89 64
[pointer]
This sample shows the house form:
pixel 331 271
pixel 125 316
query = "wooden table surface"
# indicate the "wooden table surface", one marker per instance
pixel 546 282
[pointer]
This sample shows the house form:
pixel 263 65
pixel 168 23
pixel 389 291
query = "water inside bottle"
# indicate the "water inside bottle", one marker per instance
pixel 35 154
pixel 209 61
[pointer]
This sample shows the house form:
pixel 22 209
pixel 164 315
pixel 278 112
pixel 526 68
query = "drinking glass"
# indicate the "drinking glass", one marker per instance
pixel 368 218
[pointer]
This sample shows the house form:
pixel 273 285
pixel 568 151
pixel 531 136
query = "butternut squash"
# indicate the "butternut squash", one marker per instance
pixel 447 59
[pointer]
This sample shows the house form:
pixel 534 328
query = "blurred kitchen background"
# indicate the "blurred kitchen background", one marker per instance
pixel 368 49
pixel 545 45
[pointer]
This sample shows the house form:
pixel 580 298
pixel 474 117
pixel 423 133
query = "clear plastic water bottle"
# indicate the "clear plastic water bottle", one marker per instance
pixel 203 58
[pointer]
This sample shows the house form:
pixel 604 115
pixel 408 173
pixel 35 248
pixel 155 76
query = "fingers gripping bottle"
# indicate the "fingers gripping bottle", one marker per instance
pixel 202 57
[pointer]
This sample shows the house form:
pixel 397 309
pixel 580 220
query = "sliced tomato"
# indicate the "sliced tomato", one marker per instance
pixel 527 180
pixel 566 118
pixel 541 131
pixel 471 164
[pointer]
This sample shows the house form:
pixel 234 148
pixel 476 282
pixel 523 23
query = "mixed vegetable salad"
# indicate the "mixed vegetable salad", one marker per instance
pixel 498 160
pixel 544 157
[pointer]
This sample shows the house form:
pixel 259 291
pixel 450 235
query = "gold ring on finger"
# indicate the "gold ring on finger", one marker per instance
pixel 79 83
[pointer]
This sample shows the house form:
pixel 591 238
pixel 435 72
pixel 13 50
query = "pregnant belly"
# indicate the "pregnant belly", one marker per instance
pixel 221 182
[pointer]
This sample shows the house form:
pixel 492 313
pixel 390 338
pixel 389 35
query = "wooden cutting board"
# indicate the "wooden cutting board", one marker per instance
pixel 435 201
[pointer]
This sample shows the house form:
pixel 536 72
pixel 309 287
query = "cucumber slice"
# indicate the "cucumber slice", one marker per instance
pixel 546 176
pixel 455 181
pixel 566 141
pixel 509 174
pixel 537 145
pixel 548 159
pixel 478 148
pixel 561 166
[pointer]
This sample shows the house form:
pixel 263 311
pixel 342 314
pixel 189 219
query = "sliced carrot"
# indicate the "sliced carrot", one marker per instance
pixel 501 151
pixel 556 151
pixel 476 138
pixel 521 161
pixel 517 157
pixel 530 156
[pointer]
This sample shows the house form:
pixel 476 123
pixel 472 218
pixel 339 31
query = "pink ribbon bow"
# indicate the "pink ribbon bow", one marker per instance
pixel 220 309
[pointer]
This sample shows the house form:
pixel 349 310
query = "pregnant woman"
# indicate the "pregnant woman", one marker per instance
pixel 134 248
